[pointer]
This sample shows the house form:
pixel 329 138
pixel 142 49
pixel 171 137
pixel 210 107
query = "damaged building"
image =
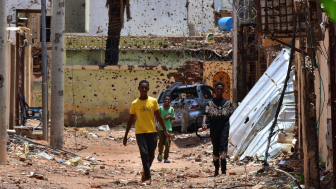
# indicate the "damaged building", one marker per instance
pixel 305 123
pixel 162 42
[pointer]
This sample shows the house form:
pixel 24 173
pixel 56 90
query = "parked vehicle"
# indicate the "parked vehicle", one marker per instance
pixel 196 97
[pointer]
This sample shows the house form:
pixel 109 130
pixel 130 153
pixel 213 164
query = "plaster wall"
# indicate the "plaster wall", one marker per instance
pixel 149 17
pixel 105 96
pixel 126 57
pixel 323 108
pixel 201 14
pixel 211 68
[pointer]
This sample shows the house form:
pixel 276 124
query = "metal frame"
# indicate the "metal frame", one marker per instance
pixel 273 17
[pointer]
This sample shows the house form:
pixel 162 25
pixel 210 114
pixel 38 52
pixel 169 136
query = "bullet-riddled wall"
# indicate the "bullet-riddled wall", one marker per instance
pixel 213 69
pixel 105 96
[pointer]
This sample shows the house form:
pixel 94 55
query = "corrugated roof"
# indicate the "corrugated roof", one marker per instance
pixel 251 121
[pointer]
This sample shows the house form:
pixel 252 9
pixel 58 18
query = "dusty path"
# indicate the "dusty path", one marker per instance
pixel 120 166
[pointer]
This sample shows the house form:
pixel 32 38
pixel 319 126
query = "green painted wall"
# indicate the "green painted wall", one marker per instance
pixel 126 57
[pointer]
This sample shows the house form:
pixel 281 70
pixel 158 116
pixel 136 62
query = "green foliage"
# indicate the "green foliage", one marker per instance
pixel 323 164
pixel 300 177
pixel 329 7
pixel 291 186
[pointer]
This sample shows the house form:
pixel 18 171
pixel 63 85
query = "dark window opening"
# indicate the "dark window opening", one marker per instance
pixel 208 92
pixel 188 93
pixel 48 29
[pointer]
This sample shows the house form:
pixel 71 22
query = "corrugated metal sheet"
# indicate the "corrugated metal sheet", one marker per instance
pixel 251 121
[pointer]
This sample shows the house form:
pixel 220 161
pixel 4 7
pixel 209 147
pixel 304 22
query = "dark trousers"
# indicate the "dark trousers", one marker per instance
pixel 217 154
pixel 164 141
pixel 147 143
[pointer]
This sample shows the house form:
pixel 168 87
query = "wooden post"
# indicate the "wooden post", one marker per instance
pixel 3 83
pixel 309 130
pixel 57 80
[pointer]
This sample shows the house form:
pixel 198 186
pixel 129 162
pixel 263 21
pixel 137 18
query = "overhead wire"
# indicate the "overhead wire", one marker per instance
pixel 283 91
pixel 321 82
pixel 266 165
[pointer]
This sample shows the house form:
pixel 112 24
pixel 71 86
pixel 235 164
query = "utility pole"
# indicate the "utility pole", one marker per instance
pixel 3 87
pixel 57 74
pixel 44 73
pixel 235 58
pixel 308 107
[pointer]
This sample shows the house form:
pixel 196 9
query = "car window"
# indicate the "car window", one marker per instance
pixel 188 93
pixel 208 92
pixel 160 96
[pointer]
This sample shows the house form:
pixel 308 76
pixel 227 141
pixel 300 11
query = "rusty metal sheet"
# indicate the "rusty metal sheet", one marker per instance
pixel 252 119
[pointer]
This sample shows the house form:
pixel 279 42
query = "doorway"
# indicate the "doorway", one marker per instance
pixel 224 77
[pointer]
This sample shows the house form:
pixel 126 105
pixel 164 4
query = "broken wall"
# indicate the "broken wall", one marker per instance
pixel 213 68
pixel 105 96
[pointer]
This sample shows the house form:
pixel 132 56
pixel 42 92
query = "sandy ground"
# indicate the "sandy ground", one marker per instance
pixel 107 163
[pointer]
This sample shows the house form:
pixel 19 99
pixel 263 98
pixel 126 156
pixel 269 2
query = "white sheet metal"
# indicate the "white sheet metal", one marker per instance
pixel 251 121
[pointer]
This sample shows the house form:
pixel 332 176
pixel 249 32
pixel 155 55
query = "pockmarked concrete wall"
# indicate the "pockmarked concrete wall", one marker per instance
pixel 100 97
pixel 149 17
pixel 127 57
pixel 201 14
pixel 212 68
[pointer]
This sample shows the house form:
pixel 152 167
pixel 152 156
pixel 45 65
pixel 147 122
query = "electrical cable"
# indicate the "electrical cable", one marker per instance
pixel 283 91
pixel 240 186
pixel 321 82
pixel 289 175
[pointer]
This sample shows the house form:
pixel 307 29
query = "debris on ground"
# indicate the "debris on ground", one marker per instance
pixel 105 163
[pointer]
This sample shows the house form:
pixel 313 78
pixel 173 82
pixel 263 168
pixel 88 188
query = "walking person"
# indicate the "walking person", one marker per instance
pixel 168 115
pixel 218 110
pixel 145 107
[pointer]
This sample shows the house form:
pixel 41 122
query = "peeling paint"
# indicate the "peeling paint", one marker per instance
pixel 57 37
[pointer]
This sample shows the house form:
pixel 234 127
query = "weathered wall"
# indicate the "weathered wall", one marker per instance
pixel 126 57
pixel 75 16
pixel 201 14
pixel 222 4
pixel 322 103
pixel 163 18
pixel 105 96
pixel 211 68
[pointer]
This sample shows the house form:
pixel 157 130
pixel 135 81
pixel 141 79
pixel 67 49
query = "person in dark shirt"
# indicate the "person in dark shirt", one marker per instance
pixel 218 110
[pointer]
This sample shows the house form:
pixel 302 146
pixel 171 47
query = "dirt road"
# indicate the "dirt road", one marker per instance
pixel 106 163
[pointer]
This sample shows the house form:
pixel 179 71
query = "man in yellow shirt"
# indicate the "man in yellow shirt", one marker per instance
pixel 144 108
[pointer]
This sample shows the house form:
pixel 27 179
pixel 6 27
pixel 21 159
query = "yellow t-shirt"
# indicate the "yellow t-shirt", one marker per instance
pixel 144 110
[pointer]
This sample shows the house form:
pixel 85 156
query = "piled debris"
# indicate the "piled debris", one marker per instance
pixel 190 73
pixel 222 13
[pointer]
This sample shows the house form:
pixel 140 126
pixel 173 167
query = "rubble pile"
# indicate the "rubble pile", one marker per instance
pixel 190 73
